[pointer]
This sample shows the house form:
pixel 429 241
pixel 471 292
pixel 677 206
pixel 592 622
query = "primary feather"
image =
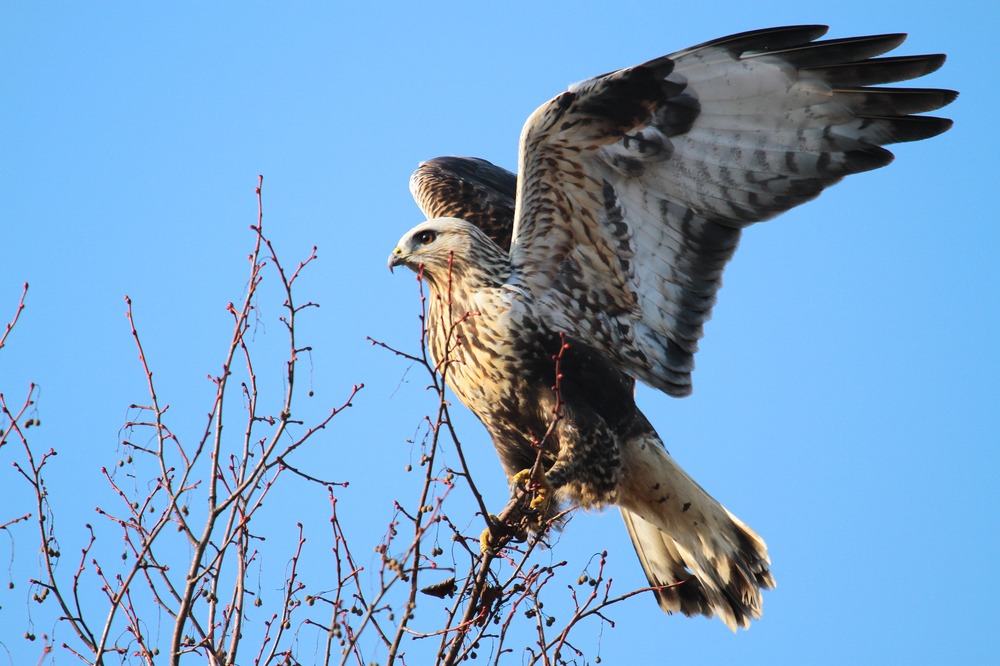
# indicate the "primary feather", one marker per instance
pixel 632 192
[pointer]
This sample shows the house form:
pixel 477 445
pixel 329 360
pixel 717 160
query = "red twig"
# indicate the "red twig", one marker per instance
pixel 17 315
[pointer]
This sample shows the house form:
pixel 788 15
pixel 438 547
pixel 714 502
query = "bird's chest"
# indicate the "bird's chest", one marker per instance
pixel 491 351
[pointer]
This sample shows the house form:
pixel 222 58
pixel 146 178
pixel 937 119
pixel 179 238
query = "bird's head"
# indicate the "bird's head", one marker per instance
pixel 437 246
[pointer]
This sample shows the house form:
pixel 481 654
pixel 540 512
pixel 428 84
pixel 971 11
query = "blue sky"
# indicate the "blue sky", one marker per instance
pixel 846 396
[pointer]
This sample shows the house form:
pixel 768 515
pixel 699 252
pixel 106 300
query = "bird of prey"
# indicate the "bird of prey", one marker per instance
pixel 599 265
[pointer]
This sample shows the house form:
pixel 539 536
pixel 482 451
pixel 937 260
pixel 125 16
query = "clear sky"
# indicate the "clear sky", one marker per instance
pixel 847 400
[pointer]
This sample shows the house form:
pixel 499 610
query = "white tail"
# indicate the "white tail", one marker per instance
pixel 703 558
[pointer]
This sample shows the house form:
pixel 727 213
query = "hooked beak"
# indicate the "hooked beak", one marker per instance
pixel 397 258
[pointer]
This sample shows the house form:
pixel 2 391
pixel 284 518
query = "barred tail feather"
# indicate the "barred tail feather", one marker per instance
pixel 704 560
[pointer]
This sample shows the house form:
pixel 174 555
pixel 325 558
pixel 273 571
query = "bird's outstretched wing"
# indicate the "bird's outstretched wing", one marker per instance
pixel 468 188
pixel 634 186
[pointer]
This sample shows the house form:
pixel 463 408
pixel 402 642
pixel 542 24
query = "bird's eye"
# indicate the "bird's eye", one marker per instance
pixel 426 237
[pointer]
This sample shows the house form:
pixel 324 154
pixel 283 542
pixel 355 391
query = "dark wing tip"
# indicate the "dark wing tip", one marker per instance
pixel 766 39
pixel 868 101
pixel 912 128
pixel 877 71
pixel 924 127
pixel 933 62
pixel 835 51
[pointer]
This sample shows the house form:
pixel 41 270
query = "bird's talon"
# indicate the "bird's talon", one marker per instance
pixel 487 541
pixel 540 502
pixel 542 496
pixel 522 478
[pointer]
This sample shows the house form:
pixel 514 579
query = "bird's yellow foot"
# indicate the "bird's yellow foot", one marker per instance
pixel 521 515
pixel 542 491
pixel 486 540
pixel 501 530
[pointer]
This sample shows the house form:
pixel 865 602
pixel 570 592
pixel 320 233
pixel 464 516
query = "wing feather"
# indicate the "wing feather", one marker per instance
pixel 634 186
pixel 756 40
pixel 879 70
pixel 470 189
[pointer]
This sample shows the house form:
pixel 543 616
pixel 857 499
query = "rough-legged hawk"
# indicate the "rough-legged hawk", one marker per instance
pixel 604 257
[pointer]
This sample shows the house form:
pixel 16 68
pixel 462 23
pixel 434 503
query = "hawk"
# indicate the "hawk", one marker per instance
pixel 553 292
